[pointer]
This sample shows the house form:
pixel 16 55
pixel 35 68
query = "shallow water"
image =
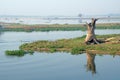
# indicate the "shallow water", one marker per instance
pixel 55 66
pixel 58 20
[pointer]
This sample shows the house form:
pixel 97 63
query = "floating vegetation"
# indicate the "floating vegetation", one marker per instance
pixel 17 52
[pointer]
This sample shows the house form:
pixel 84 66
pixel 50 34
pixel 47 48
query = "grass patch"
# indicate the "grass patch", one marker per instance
pixel 76 45
pixel 77 50
pixel 56 27
pixel 52 50
pixel 17 52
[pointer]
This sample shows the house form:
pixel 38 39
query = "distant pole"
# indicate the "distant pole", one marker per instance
pixel 108 18
pixel 80 18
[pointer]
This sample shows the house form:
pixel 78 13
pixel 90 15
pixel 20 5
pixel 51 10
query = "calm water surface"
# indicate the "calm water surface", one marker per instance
pixel 58 20
pixel 55 66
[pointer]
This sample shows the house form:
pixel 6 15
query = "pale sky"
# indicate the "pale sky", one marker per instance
pixel 58 7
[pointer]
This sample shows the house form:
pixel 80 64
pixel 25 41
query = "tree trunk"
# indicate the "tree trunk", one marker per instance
pixel 90 37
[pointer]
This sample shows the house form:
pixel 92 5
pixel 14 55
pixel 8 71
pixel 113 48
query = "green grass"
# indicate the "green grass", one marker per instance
pixel 77 50
pixel 76 45
pixel 17 52
pixel 56 27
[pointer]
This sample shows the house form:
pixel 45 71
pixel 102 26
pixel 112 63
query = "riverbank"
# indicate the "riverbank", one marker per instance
pixel 111 45
pixel 55 27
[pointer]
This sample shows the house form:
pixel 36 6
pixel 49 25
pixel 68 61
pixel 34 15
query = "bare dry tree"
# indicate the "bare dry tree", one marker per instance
pixel 90 37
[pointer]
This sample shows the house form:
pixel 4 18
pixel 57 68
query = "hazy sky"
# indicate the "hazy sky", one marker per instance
pixel 58 7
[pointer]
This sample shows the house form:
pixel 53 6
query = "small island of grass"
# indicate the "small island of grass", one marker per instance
pixel 110 45
pixel 17 52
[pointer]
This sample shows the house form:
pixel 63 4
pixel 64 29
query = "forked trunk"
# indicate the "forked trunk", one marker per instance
pixel 90 37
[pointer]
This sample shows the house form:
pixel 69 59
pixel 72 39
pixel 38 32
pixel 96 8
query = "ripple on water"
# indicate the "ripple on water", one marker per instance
pixel 42 60
pixel 40 65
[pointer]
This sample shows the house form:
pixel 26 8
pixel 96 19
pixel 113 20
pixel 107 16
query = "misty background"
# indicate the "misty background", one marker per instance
pixel 59 7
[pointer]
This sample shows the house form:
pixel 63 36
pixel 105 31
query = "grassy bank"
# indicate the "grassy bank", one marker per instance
pixel 77 45
pixel 56 27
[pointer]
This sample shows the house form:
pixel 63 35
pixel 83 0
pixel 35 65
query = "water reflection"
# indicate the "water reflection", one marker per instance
pixel 91 63
pixel 1 33
pixel 90 60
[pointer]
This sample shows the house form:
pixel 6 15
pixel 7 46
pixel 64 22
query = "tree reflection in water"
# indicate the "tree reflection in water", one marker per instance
pixel 91 63
pixel 1 33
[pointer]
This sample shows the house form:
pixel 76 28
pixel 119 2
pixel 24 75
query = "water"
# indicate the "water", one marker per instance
pixel 55 66
pixel 58 19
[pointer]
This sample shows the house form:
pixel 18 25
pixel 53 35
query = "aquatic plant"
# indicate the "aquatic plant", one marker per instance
pixel 17 52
